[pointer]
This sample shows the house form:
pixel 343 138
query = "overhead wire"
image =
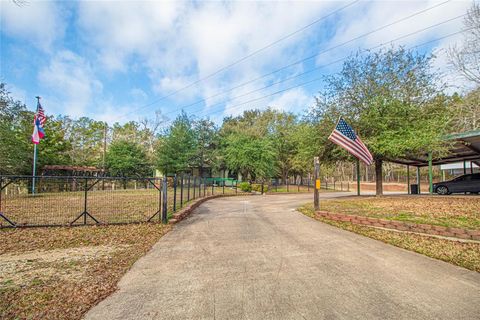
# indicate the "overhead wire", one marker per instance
pixel 236 62
pixel 311 56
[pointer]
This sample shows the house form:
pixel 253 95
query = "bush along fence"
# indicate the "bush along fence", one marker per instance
pixel 68 201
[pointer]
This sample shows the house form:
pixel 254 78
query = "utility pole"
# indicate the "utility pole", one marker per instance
pixel 316 197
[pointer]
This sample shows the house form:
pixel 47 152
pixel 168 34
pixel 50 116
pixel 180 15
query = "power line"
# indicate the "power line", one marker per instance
pixel 310 57
pixel 249 55
pixel 317 79
pixel 316 68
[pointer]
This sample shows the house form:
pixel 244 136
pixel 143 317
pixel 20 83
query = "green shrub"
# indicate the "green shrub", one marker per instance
pixel 245 187
pixel 258 187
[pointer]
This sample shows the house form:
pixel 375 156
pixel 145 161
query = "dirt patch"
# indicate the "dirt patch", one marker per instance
pixel 43 265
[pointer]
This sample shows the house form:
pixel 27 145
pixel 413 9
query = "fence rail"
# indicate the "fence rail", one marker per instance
pixel 304 185
pixel 68 201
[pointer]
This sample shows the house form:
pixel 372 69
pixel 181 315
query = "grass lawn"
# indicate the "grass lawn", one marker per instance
pixel 449 211
pixel 463 254
pixel 60 273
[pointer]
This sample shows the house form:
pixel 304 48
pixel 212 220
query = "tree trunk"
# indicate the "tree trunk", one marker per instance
pixel 378 177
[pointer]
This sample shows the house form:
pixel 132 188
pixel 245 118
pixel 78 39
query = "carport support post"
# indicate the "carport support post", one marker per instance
pixel 408 179
pixel 358 177
pixel 430 173
pixel 418 180
pixel 316 198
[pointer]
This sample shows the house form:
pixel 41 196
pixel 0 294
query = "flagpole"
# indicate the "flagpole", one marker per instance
pixel 35 156
pixel 34 167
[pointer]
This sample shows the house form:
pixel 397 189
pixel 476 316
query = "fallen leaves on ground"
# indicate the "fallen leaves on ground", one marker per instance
pixel 463 254
pixel 449 211
pixel 62 272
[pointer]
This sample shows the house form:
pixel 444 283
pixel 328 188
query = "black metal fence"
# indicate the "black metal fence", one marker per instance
pixel 304 184
pixel 62 200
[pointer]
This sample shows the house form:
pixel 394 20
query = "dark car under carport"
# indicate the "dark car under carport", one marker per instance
pixel 465 183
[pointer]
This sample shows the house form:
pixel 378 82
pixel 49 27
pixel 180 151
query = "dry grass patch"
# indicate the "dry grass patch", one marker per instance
pixel 60 273
pixel 118 206
pixel 448 211
pixel 463 254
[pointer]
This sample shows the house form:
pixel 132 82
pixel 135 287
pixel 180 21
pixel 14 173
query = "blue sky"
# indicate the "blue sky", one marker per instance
pixel 115 61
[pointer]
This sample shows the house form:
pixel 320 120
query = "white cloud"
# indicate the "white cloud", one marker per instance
pixel 71 82
pixel 295 100
pixel 179 43
pixel 40 22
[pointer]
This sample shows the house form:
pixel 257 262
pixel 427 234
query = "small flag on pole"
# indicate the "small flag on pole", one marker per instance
pixel 38 122
pixel 344 136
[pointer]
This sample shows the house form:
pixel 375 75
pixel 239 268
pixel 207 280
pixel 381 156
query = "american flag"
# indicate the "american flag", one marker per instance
pixel 38 122
pixel 40 115
pixel 344 136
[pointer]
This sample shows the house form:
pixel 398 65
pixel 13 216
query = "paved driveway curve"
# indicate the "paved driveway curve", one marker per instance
pixel 257 258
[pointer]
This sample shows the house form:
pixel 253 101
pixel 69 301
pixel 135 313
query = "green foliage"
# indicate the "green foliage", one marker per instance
pixel 390 98
pixel 258 187
pixel 178 146
pixel 16 125
pixel 254 157
pixel 206 142
pixel 126 158
pixel 245 187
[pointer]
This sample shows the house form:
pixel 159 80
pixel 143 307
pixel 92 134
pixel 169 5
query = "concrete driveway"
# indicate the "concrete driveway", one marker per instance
pixel 257 258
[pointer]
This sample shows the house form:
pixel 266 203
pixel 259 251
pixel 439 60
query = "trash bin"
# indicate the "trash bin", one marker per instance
pixel 414 188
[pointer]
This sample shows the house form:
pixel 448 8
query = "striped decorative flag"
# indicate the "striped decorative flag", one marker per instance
pixel 38 122
pixel 344 136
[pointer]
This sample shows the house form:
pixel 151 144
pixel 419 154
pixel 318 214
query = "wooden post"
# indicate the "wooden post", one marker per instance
pixel 316 196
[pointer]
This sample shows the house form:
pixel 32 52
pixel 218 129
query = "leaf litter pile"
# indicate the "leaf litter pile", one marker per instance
pixel 457 211
pixel 60 273
pixel 463 254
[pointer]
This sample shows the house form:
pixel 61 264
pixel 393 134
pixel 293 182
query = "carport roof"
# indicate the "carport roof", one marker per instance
pixel 466 147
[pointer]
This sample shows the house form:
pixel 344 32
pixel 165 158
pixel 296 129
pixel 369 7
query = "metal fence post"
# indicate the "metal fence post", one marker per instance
pixel 213 185
pixel 160 201
pixel 236 186
pixel 287 183
pixel 194 182
pixel 223 184
pixel 175 193
pixel 165 201
pixel 181 191
pixel 188 191
pixel 262 187
pixel 85 202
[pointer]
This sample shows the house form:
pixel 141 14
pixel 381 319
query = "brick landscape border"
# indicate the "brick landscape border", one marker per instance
pixel 188 209
pixel 403 226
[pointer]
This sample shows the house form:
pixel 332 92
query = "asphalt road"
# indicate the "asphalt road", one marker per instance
pixel 257 258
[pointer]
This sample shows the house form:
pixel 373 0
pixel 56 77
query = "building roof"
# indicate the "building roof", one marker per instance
pixel 466 147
